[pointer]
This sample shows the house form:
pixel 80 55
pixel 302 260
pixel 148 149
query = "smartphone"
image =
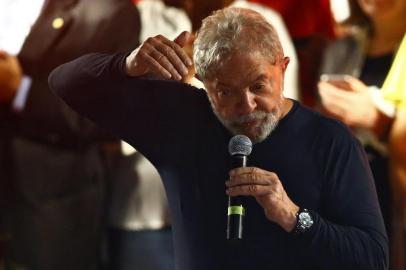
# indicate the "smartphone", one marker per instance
pixel 333 77
pixel 338 80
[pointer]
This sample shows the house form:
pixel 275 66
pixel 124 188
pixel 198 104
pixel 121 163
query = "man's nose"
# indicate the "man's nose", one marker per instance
pixel 247 103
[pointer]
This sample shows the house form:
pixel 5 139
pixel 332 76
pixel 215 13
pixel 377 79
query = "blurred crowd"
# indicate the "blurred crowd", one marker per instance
pixel 74 197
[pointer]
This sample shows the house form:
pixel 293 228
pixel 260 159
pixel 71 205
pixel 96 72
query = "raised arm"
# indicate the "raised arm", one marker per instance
pixel 117 92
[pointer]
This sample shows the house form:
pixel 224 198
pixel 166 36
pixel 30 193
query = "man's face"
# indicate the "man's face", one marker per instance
pixel 246 94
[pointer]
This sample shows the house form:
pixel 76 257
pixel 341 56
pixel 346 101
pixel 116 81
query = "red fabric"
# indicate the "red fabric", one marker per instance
pixel 304 18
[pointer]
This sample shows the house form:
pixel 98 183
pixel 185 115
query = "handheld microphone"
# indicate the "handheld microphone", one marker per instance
pixel 239 147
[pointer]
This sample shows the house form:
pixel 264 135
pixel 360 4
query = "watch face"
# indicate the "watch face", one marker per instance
pixel 305 220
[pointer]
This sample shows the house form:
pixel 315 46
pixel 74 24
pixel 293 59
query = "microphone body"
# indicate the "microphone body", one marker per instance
pixel 239 147
pixel 235 209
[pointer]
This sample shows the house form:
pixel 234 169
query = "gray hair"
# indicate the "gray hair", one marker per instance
pixel 232 30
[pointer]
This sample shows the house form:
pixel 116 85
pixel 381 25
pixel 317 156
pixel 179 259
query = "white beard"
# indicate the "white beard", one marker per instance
pixel 267 122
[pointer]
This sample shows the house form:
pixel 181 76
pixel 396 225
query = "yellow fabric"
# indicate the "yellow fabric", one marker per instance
pixel 394 87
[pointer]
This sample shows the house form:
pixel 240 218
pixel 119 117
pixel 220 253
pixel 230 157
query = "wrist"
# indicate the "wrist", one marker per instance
pixel 127 65
pixel 288 220
pixel 130 65
pixel 383 113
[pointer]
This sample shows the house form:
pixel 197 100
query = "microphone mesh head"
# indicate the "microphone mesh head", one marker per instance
pixel 240 145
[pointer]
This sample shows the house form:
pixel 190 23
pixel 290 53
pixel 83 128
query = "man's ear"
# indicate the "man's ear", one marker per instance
pixel 285 63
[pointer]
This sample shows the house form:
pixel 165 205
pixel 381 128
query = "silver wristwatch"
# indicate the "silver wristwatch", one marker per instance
pixel 304 221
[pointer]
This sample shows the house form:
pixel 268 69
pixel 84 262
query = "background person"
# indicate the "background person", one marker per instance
pixel 56 218
pixel 394 90
pixel 374 32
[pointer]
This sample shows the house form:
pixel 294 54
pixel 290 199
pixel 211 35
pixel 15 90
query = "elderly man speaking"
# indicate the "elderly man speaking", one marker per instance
pixel 307 190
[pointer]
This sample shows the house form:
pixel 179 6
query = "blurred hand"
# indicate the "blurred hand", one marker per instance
pixel 349 101
pixel 267 189
pixel 10 76
pixel 161 57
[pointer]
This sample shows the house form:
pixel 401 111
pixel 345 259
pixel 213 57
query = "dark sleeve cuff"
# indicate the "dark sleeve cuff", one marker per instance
pixel 119 64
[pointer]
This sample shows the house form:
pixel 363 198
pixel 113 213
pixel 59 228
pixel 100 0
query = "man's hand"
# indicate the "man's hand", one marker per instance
pixel 10 76
pixel 161 57
pixel 268 191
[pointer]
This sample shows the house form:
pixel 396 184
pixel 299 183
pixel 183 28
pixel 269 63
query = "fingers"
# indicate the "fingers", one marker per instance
pixel 355 84
pixel 249 190
pixel 345 83
pixel 251 181
pixel 267 190
pixel 167 59
pixel 163 58
pixel 331 96
pixel 336 88
pixel 181 54
pixel 338 103
pixel 156 67
pixel 250 175
pixel 183 38
pixel 171 56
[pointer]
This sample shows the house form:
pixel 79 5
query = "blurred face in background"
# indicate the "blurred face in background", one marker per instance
pixel 383 9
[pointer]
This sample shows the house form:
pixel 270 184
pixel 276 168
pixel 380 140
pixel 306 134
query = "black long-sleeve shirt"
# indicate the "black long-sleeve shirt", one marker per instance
pixel 321 166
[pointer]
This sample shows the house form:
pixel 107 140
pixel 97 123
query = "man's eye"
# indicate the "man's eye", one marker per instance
pixel 223 93
pixel 258 87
